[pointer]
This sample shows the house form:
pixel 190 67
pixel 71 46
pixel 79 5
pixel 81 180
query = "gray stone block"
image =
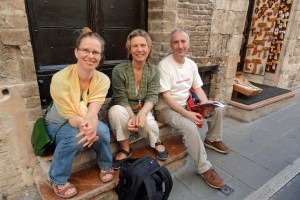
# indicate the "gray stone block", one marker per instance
pixel 272 159
pixel 240 167
pixel 254 114
pixel 242 145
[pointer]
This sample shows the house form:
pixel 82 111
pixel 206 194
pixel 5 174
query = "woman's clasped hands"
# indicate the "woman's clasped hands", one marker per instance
pixel 88 132
pixel 137 121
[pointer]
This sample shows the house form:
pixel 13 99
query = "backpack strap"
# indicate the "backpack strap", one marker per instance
pixel 122 186
pixel 142 168
pixel 150 186
pixel 48 108
pixel 168 181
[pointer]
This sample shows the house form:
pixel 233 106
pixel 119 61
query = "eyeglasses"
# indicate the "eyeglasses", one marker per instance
pixel 87 52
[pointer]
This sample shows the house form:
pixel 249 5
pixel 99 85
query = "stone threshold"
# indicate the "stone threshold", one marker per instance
pixel 264 102
pixel 249 113
pixel 87 180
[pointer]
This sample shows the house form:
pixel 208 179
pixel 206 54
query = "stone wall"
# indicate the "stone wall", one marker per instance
pixel 227 28
pixel 19 99
pixel 289 75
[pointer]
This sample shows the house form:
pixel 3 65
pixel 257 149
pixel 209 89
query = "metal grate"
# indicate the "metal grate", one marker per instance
pixel 226 190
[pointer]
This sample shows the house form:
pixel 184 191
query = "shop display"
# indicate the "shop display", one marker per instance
pixel 268 28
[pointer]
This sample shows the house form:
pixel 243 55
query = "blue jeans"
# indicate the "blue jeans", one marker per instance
pixel 67 148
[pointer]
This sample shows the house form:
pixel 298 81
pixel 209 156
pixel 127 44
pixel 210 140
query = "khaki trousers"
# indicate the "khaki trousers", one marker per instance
pixel 118 120
pixel 191 135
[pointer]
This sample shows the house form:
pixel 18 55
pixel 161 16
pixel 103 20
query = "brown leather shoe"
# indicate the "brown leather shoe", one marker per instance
pixel 212 178
pixel 218 146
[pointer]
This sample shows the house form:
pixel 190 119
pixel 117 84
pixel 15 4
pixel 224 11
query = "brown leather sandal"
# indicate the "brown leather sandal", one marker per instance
pixel 103 173
pixel 60 192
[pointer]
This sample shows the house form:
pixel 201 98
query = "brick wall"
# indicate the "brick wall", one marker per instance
pixel 215 29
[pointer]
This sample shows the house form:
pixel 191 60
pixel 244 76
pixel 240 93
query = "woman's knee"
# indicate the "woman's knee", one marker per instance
pixel 68 134
pixel 68 140
pixel 103 132
pixel 116 111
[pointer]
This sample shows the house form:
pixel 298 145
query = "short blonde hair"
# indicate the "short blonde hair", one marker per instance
pixel 136 33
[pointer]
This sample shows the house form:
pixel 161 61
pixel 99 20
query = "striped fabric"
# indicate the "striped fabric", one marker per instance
pixel 65 92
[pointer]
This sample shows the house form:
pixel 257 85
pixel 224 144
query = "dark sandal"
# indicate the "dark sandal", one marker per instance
pixel 103 173
pixel 161 155
pixel 60 192
pixel 117 163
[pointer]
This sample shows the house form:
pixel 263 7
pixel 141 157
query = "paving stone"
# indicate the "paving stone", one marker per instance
pixel 292 108
pixel 290 111
pixel 294 135
pixel 181 191
pixel 292 122
pixel 242 145
pixel 272 126
pixel 237 126
pixel 282 144
pixel 190 186
pixel 240 167
pixel 188 177
pixel 262 136
pixel 272 159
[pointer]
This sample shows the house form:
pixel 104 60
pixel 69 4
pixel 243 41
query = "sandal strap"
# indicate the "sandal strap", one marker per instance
pixel 63 190
pixel 158 143
pixel 126 152
pixel 103 173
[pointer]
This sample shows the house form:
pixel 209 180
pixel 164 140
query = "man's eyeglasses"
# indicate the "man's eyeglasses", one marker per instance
pixel 87 52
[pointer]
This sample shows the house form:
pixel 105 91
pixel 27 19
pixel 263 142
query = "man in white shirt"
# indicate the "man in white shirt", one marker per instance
pixel 178 74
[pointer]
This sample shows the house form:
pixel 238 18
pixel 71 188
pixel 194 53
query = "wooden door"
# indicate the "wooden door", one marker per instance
pixel 54 27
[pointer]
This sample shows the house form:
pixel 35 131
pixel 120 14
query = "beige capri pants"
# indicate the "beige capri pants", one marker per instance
pixel 118 120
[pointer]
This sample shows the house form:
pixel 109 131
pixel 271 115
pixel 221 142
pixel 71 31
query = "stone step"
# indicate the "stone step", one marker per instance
pixel 87 157
pixel 248 113
pixel 87 180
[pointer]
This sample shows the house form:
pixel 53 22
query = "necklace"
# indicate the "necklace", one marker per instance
pixel 138 74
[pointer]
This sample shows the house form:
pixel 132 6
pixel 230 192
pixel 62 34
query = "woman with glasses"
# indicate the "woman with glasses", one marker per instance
pixel 78 92
pixel 135 85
